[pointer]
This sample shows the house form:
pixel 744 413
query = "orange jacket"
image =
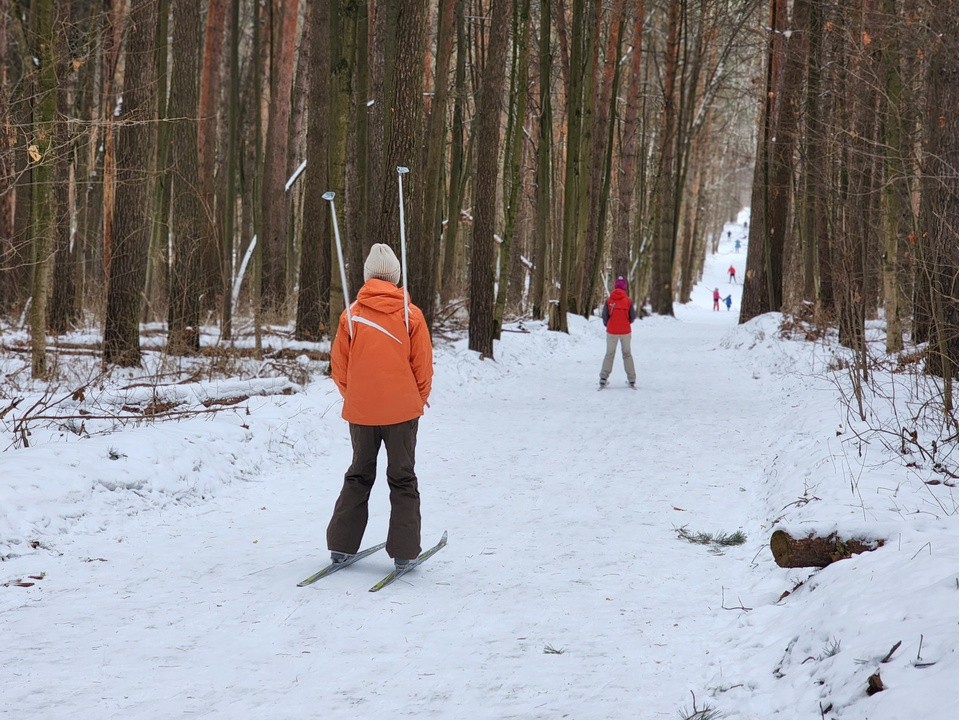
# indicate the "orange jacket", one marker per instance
pixel 383 373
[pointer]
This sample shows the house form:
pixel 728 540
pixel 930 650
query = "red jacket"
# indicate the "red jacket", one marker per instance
pixel 384 374
pixel 618 313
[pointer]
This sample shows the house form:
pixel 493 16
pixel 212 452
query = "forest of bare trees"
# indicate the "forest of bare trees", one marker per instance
pixel 164 161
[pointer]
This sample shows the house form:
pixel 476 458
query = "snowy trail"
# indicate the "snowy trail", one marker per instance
pixel 562 505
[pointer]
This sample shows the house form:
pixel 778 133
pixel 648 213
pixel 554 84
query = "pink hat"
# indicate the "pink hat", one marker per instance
pixel 621 283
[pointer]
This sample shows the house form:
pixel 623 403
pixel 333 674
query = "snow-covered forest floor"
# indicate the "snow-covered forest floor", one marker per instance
pixel 148 569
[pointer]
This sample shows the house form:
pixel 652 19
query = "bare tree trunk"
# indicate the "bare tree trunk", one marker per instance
pixel 42 149
pixel 64 309
pixel 313 302
pixel 572 173
pixel 8 139
pixel 273 243
pixel 939 219
pixel 456 178
pixel 513 156
pixel 212 227
pixel 136 133
pixel 626 182
pixel 664 244
pixel 183 333
pixel 485 207
pixel 230 185
pixel 757 284
pixel 601 153
pixel 405 147
pixel 358 167
pixel 543 198
pixel 426 249
pixel 158 267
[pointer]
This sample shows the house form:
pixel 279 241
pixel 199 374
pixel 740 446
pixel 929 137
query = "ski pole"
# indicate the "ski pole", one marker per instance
pixel 328 196
pixel 401 171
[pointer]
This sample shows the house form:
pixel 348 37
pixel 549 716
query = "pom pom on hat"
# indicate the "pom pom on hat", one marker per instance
pixel 382 263
pixel 621 283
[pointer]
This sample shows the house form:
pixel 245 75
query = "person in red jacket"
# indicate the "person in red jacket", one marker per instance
pixel 618 313
pixel 716 298
pixel 384 371
pixel 732 272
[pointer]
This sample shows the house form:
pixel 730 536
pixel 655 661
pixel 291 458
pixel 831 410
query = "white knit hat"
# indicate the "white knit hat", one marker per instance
pixel 382 263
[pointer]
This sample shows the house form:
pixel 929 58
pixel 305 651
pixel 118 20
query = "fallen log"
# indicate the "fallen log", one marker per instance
pixel 816 551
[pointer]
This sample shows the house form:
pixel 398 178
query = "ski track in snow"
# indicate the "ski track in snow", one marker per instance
pixel 562 504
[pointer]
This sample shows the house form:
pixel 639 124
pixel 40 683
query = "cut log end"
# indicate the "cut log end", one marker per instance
pixel 816 551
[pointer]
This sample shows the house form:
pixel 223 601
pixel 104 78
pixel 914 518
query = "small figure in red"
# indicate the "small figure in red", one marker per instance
pixel 732 272
pixel 716 298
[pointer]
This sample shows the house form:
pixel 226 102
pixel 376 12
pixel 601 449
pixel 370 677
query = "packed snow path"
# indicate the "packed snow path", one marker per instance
pixel 564 590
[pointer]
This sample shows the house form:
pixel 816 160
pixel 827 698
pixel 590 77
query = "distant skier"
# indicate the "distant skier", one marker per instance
pixel 732 272
pixel 618 313
pixel 728 301
pixel 716 298
pixel 384 374
pixel 736 245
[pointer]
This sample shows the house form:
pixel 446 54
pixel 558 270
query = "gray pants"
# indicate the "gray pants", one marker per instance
pixel 345 531
pixel 624 342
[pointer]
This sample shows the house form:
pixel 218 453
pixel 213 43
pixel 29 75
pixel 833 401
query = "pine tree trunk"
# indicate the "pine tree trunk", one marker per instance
pixel 543 196
pixel 313 302
pixel 513 157
pixel 273 243
pixel 230 184
pixel 209 128
pixel 939 219
pixel 456 180
pixel 358 169
pixel 136 134
pixel 485 206
pixel 626 181
pixel 64 309
pixel 426 248
pixel 42 151
pixel 664 244
pixel 572 177
pixel 183 333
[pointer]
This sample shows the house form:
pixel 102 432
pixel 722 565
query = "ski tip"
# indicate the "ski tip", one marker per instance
pixel 443 540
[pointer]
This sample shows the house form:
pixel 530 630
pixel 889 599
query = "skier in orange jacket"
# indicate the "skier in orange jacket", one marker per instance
pixel 384 371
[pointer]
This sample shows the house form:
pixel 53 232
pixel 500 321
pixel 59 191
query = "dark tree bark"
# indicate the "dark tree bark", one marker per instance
pixel 41 150
pixel 758 297
pixel 939 221
pixel 457 176
pixel 209 128
pixel 230 190
pixel 136 133
pixel 184 315
pixel 544 204
pixel 313 302
pixel 405 145
pixel 65 310
pixel 664 244
pixel 485 207
pixel 572 180
pixel 626 181
pixel 273 242
pixel 426 248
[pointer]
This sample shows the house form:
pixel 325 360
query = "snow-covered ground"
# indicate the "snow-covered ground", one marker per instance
pixel 157 565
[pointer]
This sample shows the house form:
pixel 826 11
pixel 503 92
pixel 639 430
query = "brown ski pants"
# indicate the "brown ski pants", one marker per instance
pixel 349 520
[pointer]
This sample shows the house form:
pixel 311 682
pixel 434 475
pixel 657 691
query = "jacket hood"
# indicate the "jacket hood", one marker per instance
pixel 618 294
pixel 381 296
